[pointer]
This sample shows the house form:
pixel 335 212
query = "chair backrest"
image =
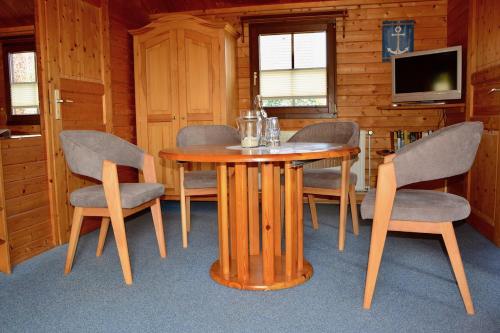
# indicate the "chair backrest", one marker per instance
pixel 447 152
pixel 344 132
pixel 207 135
pixel 85 152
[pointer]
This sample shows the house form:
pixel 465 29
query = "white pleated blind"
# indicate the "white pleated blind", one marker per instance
pixel 297 78
pixel 23 83
pixel 275 52
pixel 293 83
pixel 309 50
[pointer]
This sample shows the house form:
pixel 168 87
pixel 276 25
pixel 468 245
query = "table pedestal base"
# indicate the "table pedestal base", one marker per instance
pixel 255 280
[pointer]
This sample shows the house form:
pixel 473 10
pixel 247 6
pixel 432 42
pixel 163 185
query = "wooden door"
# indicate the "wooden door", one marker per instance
pixel 200 100
pixel 199 76
pixel 74 45
pixel 483 102
pixel 156 81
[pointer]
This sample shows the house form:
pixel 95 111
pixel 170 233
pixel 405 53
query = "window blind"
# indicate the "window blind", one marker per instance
pixel 293 68
pixel 23 83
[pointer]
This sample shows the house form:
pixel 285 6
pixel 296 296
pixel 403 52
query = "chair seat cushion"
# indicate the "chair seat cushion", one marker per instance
pixel 200 179
pixel 329 178
pixel 421 205
pixel 132 195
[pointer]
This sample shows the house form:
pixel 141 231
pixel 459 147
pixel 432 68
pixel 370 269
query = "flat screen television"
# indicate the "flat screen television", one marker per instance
pixel 433 75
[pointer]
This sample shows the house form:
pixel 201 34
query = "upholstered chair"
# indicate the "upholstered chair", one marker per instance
pixel 447 152
pixel 328 181
pixel 200 182
pixel 96 154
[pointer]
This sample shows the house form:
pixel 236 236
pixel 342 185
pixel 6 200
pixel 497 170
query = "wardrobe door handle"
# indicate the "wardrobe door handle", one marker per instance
pixel 493 90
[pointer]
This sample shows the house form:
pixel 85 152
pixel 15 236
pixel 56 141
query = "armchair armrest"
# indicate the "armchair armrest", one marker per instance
pixel 389 158
pixel 148 169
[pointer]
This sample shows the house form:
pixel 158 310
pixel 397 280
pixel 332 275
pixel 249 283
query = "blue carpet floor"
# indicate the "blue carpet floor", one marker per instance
pixel 416 289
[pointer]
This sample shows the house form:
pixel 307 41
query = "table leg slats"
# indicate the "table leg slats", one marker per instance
pixel 250 239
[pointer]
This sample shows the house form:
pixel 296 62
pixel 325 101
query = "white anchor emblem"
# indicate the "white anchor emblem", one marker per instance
pixel 398 34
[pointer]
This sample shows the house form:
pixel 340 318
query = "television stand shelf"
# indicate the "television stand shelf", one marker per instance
pixel 457 106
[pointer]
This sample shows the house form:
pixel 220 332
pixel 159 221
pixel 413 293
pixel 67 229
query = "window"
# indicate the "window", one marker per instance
pixel 22 88
pixel 293 68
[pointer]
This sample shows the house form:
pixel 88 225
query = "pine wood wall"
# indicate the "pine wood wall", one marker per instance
pixel 122 81
pixel 364 82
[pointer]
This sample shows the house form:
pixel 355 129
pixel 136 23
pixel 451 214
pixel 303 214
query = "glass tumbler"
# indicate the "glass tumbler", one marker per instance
pixel 272 132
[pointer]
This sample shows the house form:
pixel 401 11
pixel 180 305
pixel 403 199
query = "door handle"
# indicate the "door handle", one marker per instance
pixel 57 103
pixel 493 90
pixel 60 100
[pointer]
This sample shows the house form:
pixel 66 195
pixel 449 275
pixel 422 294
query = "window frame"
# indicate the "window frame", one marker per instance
pixel 21 45
pixel 328 111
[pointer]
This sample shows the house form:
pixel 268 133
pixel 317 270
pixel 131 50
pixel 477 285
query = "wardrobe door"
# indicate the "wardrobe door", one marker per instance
pixel 157 101
pixel 199 76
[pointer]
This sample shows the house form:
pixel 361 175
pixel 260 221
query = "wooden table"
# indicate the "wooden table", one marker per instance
pixel 243 263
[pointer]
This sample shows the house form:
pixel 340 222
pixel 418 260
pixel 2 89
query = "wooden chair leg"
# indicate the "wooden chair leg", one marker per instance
pixel 450 242
pixel 73 238
pixel 112 192
pixel 344 194
pixel 188 213
pixel 386 192
pixel 354 209
pixel 102 236
pixel 314 213
pixel 183 213
pixel 158 223
pixel 379 233
pixel 121 243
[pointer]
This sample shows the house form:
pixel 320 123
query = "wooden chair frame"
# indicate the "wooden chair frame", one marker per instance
pixel 115 214
pixel 185 199
pixel 344 195
pixel 382 223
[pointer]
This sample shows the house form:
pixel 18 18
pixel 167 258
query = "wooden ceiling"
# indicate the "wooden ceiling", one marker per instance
pixel 17 12
pixel 159 6
pixel 21 12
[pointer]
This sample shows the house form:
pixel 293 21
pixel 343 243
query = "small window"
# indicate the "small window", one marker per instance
pixel 293 68
pixel 22 90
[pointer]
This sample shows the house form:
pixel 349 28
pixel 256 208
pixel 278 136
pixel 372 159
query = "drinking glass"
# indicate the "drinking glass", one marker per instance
pixel 272 132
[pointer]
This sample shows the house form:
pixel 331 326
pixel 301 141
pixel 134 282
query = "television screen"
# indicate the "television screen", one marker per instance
pixel 428 75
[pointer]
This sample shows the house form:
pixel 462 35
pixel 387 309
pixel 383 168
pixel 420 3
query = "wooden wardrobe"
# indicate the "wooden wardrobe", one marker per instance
pixel 185 74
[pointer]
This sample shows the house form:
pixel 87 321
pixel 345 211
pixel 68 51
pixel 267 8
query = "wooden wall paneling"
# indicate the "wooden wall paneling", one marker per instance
pixel 122 77
pixel 363 81
pixel 483 74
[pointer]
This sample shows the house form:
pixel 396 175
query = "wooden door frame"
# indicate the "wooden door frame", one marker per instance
pixel 49 80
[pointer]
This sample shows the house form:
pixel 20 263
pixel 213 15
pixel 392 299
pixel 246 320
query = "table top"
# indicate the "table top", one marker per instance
pixel 297 151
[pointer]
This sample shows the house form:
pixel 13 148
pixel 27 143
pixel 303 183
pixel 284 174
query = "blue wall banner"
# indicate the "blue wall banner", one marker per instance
pixel 397 38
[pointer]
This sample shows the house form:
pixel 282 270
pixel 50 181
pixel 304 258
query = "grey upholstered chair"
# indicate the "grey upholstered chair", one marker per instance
pixel 327 181
pixel 447 152
pixel 200 182
pixel 96 154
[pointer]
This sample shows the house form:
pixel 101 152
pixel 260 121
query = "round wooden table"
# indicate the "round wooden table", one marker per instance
pixel 250 247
